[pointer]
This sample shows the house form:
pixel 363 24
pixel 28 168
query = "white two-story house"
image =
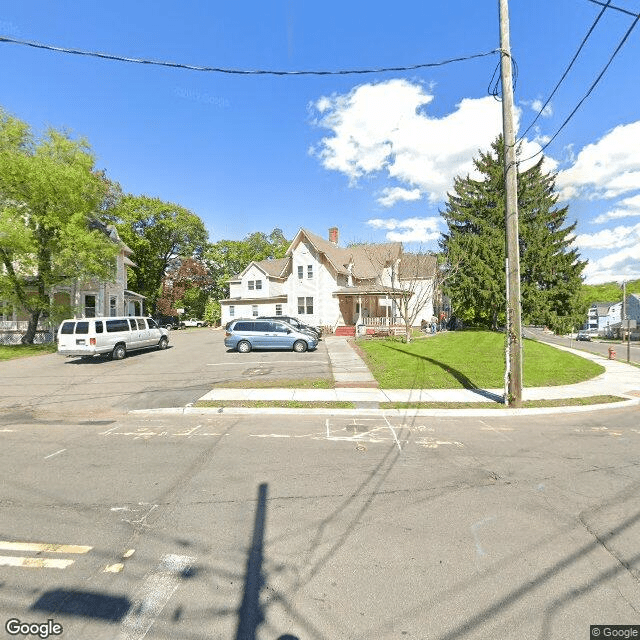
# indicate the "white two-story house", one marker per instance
pixel 334 287
pixel 78 299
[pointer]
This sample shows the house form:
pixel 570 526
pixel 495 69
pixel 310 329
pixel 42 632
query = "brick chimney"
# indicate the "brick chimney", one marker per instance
pixel 333 235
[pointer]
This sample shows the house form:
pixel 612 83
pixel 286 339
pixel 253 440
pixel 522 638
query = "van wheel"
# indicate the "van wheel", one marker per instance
pixel 243 346
pixel 299 346
pixel 119 352
pixel 163 344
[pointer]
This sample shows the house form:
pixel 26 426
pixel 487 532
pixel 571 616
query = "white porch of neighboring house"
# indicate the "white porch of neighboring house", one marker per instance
pixel 370 307
pixel 103 300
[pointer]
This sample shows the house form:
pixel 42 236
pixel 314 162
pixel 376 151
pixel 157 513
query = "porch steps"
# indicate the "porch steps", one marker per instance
pixel 345 331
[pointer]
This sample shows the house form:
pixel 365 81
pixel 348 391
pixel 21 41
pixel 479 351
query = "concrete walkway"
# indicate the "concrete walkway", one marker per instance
pixel 619 379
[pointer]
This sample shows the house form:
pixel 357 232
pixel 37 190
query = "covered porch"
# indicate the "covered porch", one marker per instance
pixel 365 306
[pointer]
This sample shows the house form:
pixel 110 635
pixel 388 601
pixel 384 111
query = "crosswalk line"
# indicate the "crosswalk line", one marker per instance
pixel 43 547
pixel 35 563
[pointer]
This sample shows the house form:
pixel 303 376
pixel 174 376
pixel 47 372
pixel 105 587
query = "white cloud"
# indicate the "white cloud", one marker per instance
pixel 606 169
pixel 627 208
pixel 616 266
pixel 409 229
pixel 385 128
pixel 547 112
pixel 392 195
pixel 618 237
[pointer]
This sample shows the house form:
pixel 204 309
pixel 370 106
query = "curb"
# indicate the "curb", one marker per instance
pixel 400 413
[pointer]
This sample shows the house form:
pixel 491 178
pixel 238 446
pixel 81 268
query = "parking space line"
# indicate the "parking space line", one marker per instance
pixel 54 454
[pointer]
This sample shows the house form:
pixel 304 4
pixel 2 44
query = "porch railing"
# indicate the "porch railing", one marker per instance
pixel 383 321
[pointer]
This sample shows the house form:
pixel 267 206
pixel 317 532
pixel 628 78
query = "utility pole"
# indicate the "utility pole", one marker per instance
pixel 625 321
pixel 514 320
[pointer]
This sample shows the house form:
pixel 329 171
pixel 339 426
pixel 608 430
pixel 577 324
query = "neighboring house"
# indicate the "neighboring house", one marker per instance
pixel 330 286
pixel 603 315
pixel 79 299
pixel 632 312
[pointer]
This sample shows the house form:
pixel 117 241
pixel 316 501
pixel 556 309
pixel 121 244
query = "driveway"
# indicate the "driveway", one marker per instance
pixel 195 363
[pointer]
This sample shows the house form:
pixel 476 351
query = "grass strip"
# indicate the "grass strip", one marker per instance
pixel 527 404
pixel 277 383
pixel 281 404
pixel 468 360
pixel 12 351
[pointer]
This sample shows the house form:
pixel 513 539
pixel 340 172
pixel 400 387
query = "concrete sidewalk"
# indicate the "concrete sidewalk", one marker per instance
pixel 619 379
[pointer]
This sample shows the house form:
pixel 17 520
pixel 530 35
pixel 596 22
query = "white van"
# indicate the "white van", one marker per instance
pixel 97 336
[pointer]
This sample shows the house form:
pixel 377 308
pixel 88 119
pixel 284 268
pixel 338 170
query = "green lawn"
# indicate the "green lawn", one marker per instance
pixel 9 352
pixel 468 360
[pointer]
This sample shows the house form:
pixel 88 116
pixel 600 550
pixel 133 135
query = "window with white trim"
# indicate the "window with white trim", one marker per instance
pixel 305 306
pixel 232 311
pixel 278 309
pixel 258 284
pixel 113 306
pixel 300 272
pixel 251 284
pixel 309 271
pixel 254 310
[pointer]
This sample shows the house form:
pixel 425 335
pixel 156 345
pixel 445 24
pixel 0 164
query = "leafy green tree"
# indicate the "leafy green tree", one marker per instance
pixel 50 196
pixel 226 258
pixel 550 268
pixel 159 233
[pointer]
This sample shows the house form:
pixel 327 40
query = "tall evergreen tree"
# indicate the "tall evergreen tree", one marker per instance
pixel 550 268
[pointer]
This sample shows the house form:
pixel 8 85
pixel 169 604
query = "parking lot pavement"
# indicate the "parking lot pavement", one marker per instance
pixel 195 363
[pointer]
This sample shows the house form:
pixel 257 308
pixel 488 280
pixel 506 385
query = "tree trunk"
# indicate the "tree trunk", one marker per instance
pixel 28 337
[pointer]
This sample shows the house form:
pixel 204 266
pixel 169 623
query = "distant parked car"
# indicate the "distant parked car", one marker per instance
pixel 245 335
pixel 192 322
pixel 294 322
pixel 583 335
pixel 167 322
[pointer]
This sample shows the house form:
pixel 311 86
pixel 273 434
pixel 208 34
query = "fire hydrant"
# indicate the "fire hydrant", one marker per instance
pixel 612 353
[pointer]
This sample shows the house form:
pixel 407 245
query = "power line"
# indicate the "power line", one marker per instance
pixel 612 6
pixel 564 75
pixel 245 72
pixel 586 95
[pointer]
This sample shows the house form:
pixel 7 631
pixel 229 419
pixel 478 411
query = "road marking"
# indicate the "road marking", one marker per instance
pixel 432 443
pixel 43 547
pixel 395 437
pixel 54 454
pixel 7 430
pixel 156 590
pixel 34 563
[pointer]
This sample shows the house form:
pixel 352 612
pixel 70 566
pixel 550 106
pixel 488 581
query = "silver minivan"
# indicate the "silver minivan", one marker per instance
pixel 88 337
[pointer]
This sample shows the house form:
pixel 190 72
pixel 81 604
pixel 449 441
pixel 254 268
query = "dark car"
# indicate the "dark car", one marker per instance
pixel 297 324
pixel 583 335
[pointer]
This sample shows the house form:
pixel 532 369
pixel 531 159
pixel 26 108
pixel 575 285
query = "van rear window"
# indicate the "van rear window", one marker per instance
pixel 82 327
pixel 67 327
pixel 113 326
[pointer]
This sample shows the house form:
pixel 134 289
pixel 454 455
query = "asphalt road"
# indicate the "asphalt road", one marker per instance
pixel 194 363
pixel 200 527
pixel 597 346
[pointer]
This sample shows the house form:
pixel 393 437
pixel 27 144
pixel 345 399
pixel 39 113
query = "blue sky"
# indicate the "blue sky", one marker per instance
pixel 372 154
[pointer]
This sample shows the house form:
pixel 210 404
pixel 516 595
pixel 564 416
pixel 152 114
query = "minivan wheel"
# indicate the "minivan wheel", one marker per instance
pixel 163 344
pixel 119 352
pixel 243 346
pixel 299 346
